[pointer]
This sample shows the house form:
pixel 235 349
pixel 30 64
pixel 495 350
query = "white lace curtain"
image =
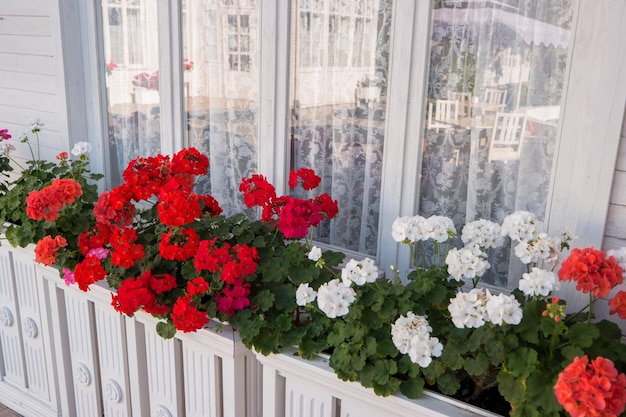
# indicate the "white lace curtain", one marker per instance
pixel 492 62
pixel 338 97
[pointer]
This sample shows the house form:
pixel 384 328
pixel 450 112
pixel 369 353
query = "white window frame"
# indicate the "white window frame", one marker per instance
pixel 575 200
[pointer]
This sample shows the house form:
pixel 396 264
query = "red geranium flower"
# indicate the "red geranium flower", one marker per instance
pixel 617 304
pixel 179 244
pixel 197 286
pixel 310 181
pixel 593 389
pixel 190 161
pixel 88 271
pixel 47 248
pixel 131 295
pixel 187 317
pixel 592 270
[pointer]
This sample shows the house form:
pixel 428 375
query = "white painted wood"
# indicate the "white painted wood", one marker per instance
pixel 32 45
pixel 24 81
pixel 13 366
pixel 164 359
pixel 35 64
pixel 25 25
pixel 405 115
pixel 27 7
pixel 85 372
pixel 35 101
pixel 616 223
pixel 618 194
pixel 312 389
pixel 29 298
pixel 63 384
pixel 137 367
pixel 113 361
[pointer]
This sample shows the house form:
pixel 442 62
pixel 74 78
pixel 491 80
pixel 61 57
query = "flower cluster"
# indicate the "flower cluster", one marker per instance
pixel 110 67
pixel 412 229
pixel 187 64
pixel 467 262
pixel 146 80
pixel 592 271
pixel 591 389
pixel 477 307
pixel 538 282
pixel 294 216
pixel 48 202
pixel 411 335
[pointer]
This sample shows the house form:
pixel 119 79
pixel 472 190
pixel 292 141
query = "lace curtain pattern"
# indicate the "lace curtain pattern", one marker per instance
pixel 338 96
pixel 492 64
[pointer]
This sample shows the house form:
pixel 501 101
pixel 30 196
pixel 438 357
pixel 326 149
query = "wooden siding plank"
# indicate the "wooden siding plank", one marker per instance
pixel 616 222
pixel 29 100
pixel 25 25
pixel 33 64
pixel 613 243
pixel 621 153
pixel 27 45
pixel 26 8
pixel 618 193
pixel 37 83
pixel 15 119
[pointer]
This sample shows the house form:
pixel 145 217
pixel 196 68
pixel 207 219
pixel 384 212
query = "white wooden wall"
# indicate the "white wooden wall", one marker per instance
pixel 615 232
pixel 32 80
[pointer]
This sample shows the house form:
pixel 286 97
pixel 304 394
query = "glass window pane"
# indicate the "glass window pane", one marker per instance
pixel 132 84
pixel 496 73
pixel 221 96
pixel 338 124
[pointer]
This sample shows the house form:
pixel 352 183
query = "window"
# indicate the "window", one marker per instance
pixel 325 86
pixel 131 36
pixel 123 27
pixel 239 42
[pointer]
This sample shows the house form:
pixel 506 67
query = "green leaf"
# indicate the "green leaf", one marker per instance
pixel 583 334
pixel 511 388
pixel 540 392
pixel 522 362
pixel 412 388
pixel 452 357
pixel 448 383
pixel 264 300
pixel 285 298
pixel 477 366
pixel 165 330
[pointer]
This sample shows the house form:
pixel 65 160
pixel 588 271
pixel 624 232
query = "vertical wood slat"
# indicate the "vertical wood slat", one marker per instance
pixel 113 361
pixel 200 372
pixel 81 330
pixel 10 336
pixel 165 382
pixel 33 332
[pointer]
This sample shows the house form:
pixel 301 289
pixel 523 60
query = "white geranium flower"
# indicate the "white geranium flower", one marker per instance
pixel 521 225
pixel 503 308
pixel 81 148
pixel 305 295
pixel 35 125
pixel 411 335
pixel 468 262
pixel 542 247
pixel 440 228
pixel 408 229
pixel 359 272
pixel 484 233
pixel 469 309
pixel 315 254
pixel 538 282
pixel 334 298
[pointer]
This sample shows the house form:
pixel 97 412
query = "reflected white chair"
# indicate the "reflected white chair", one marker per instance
pixel 494 100
pixel 442 114
pixel 464 100
pixel 506 137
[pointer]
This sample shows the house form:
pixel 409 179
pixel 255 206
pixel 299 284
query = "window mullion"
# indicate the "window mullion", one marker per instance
pixel 405 115
pixel 273 147
pixel 170 76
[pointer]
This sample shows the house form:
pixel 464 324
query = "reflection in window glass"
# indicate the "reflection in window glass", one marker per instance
pixel 221 96
pixel 338 114
pixel 132 81
pixel 496 73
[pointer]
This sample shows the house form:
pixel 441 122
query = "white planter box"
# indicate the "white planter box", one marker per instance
pixel 146 96
pixel 293 387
